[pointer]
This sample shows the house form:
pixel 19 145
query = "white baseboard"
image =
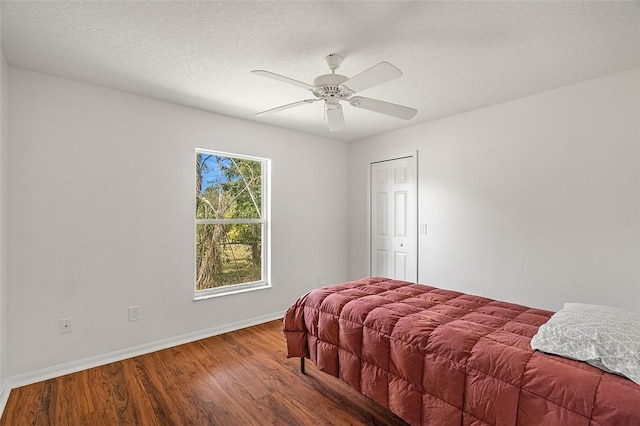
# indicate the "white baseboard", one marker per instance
pixel 4 395
pixel 98 360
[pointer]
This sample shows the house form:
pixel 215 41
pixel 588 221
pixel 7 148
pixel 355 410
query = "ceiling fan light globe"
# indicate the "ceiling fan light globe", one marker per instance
pixel 332 103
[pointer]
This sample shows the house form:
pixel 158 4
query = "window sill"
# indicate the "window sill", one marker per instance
pixel 226 292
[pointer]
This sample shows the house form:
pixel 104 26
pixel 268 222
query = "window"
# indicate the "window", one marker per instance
pixel 231 223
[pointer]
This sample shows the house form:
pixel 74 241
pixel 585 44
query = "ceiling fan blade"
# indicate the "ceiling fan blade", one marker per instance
pixel 335 117
pixel 382 107
pixel 373 76
pixel 282 78
pixel 287 106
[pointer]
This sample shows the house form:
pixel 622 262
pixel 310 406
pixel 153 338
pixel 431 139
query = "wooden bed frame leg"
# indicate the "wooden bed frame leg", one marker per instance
pixel 302 365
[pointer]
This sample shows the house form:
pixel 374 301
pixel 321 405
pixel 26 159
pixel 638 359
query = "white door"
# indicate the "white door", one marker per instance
pixel 394 250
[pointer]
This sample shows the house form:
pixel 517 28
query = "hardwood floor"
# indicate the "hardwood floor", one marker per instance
pixel 238 378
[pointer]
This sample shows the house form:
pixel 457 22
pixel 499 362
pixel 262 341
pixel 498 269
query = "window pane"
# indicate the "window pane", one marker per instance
pixel 227 187
pixel 228 254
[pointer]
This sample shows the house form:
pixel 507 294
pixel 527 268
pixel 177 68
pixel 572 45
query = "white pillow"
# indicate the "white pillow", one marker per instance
pixel 605 337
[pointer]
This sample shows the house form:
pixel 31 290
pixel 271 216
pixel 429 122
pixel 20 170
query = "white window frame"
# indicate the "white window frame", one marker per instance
pixel 266 231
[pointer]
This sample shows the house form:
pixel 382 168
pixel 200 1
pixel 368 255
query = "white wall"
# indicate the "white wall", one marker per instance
pixel 102 218
pixel 534 201
pixel 4 183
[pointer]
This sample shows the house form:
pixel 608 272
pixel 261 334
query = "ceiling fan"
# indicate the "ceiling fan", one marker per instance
pixel 333 88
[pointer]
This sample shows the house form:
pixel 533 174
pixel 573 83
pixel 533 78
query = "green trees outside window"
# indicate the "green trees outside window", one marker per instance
pixel 230 220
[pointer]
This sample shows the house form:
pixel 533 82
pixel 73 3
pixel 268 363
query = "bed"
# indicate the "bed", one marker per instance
pixel 440 357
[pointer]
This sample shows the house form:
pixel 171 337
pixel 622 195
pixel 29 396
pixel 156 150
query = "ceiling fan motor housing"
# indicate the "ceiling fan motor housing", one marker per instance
pixel 328 86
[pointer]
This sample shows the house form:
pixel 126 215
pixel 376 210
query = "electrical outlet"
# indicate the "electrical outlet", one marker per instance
pixel 134 313
pixel 65 325
pixel 320 279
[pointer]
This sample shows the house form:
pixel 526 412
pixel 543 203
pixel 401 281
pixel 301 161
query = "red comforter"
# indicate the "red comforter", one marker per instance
pixel 439 357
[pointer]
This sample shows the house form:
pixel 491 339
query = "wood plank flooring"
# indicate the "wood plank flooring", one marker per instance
pixel 238 378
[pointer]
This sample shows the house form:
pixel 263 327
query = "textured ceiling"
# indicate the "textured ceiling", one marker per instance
pixel 455 56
